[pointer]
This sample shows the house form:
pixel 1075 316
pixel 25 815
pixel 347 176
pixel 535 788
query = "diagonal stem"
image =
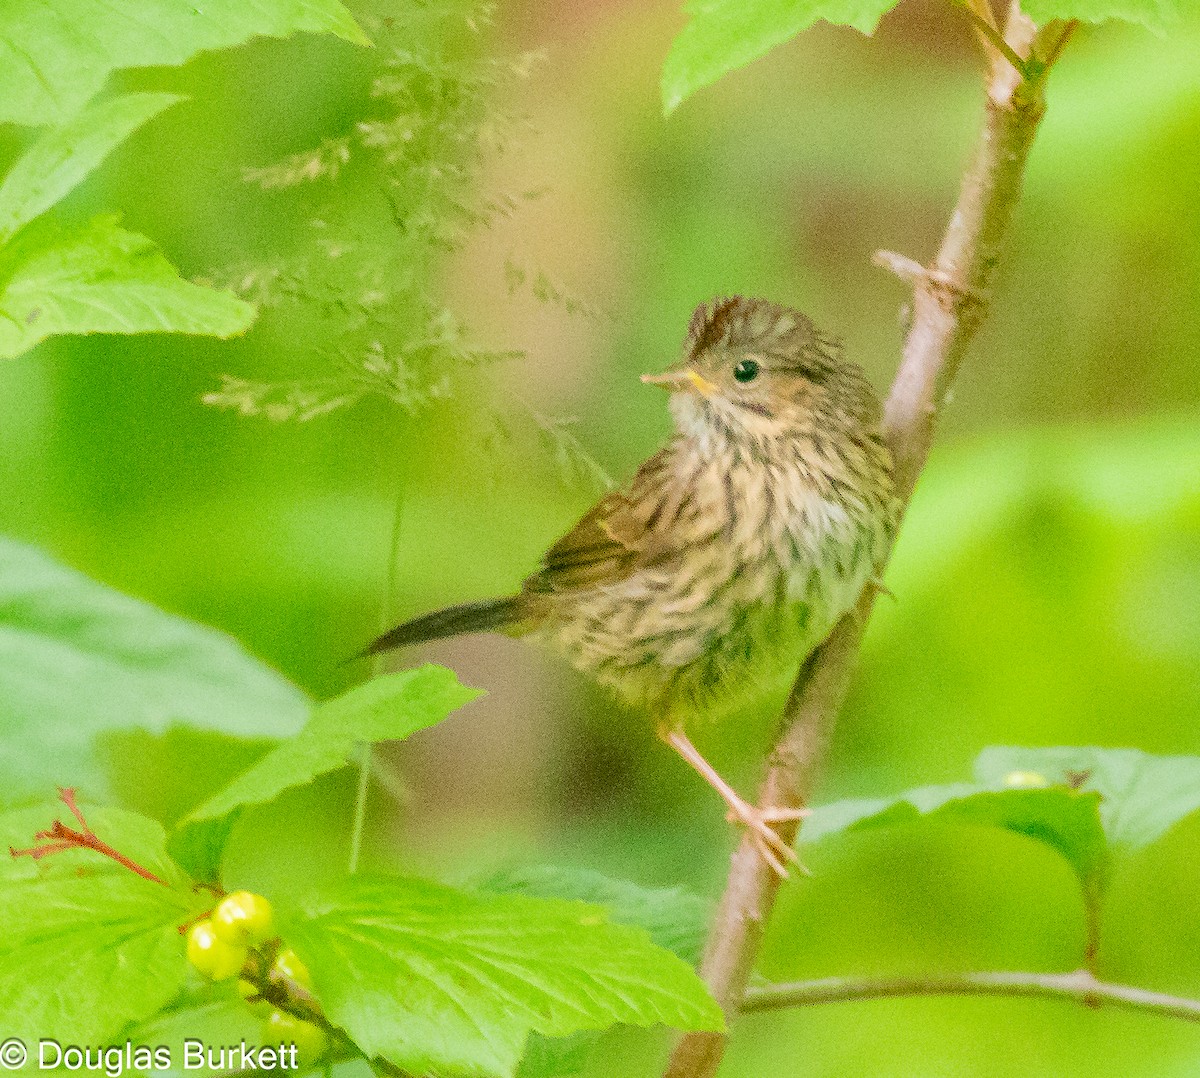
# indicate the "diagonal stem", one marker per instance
pixel 949 301
pixel 985 26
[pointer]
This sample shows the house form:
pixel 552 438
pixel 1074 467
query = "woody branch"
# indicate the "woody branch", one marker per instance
pixel 949 302
pixel 1079 986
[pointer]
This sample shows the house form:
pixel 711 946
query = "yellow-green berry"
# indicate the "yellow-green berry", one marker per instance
pixel 243 918
pixel 211 955
pixel 288 967
pixel 282 1028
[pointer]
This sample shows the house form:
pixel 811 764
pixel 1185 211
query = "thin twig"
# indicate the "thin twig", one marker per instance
pixel 949 300
pixel 1080 986
pixel 1052 40
pixel 366 749
pixel 357 828
pixel 909 270
pixel 982 9
pixel 986 28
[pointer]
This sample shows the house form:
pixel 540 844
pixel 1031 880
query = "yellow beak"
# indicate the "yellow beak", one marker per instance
pixel 681 379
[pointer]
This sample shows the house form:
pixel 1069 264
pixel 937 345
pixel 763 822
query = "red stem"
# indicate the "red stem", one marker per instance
pixel 60 838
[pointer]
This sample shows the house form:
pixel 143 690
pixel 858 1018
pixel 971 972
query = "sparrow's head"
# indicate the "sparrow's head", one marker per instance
pixel 754 370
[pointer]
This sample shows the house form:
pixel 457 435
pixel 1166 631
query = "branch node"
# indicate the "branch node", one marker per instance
pixel 909 270
pixel 952 295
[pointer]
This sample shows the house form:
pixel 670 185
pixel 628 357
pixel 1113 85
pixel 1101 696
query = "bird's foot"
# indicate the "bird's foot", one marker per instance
pixel 767 841
pixel 757 821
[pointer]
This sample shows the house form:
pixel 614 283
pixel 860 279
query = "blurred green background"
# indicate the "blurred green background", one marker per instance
pixel 1047 582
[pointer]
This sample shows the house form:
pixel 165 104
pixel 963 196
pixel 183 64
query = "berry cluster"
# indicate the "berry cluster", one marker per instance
pixel 237 940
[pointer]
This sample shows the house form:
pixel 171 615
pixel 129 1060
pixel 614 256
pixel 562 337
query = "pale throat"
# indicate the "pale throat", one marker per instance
pixel 721 430
pixel 795 473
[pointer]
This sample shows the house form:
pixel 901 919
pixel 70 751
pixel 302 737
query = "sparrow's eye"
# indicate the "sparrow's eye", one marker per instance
pixel 746 371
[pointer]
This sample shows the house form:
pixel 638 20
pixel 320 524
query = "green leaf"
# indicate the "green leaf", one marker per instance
pixel 441 980
pixel 1066 820
pixel 200 762
pixel 213 1015
pixel 86 956
pixel 723 35
pixel 77 658
pixel 558 1057
pixel 1141 796
pixel 673 918
pixel 1157 15
pixel 102 279
pixel 89 946
pixel 64 156
pixel 383 709
pixel 199 847
pixel 54 57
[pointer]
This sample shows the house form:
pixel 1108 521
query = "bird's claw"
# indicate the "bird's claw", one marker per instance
pixel 767 841
pixel 779 814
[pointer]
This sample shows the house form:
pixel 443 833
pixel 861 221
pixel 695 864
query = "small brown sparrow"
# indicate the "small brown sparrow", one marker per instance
pixel 736 547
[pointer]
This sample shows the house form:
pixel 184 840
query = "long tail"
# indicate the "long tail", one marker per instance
pixel 477 617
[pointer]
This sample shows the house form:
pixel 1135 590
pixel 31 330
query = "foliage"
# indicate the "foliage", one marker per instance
pixel 504 965
pixel 1086 804
pixel 1065 819
pixel 65 155
pixel 103 279
pixel 50 69
pixel 126 958
pixel 213 1014
pixel 424 975
pixel 448 980
pixel 673 918
pixel 724 35
pixel 1141 797
pixel 99 278
pixel 80 659
pixel 1158 15
pixel 1045 584
pixel 431 123
pixel 387 708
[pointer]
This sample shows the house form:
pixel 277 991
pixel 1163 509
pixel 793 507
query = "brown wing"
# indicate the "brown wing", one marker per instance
pixel 610 541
